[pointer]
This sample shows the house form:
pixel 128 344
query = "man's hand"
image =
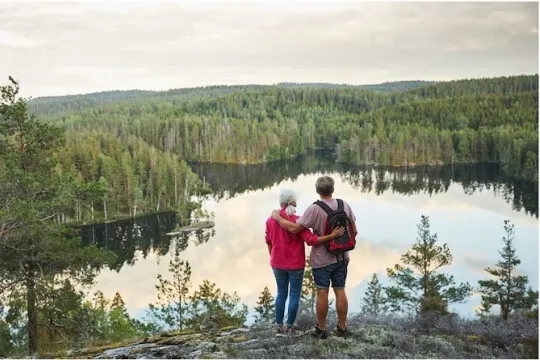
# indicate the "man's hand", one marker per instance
pixel 337 232
pixel 275 214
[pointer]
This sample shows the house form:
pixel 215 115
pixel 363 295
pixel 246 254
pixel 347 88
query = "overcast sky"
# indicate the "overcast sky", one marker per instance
pixel 57 48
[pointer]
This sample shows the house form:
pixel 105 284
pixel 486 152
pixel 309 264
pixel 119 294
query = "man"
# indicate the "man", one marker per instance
pixel 326 267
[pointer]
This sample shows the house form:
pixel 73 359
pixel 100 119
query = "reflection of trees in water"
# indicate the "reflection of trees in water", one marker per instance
pixel 197 237
pixel 148 232
pixel 145 233
pixel 230 180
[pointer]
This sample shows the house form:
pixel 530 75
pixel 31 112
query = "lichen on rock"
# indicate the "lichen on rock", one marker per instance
pixel 369 338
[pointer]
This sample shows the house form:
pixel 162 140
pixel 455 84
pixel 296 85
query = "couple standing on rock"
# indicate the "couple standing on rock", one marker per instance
pixel 334 231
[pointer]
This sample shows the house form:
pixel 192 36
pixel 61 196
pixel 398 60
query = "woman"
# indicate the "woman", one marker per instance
pixel 288 259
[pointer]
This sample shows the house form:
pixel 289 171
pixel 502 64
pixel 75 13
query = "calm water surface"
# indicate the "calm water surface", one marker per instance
pixel 466 205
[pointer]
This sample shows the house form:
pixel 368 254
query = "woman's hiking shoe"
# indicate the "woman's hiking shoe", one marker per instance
pixel 293 331
pixel 280 332
pixel 319 333
pixel 342 332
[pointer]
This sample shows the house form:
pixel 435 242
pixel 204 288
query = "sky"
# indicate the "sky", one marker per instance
pixel 57 48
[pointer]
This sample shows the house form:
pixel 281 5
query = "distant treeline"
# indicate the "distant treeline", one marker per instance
pixel 468 121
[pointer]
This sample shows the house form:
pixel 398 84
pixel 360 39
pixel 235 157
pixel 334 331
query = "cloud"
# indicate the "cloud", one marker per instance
pixel 188 43
pixel 12 40
pixel 100 70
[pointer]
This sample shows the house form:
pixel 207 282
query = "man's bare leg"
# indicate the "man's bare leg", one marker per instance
pixel 342 307
pixel 322 307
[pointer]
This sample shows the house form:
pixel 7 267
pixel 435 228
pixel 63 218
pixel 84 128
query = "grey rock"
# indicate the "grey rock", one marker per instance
pixel 235 331
pixel 258 353
pixel 249 344
pixel 206 346
pixel 218 355
pixel 124 352
pixel 195 354
pixel 370 337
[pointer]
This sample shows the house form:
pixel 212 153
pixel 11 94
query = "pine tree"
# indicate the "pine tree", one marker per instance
pixel 35 249
pixel 121 325
pixel 173 295
pixel 212 308
pixel 420 287
pixel 374 301
pixel 265 306
pixel 484 310
pixel 118 303
pixel 507 290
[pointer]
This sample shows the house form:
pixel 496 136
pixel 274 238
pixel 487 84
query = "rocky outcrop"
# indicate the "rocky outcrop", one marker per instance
pixel 367 340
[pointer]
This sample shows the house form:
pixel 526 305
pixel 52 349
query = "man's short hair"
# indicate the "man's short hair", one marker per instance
pixel 324 186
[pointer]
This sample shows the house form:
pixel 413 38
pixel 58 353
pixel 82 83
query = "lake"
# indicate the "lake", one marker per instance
pixel 466 204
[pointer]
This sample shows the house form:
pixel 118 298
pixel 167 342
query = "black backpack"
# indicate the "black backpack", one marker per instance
pixel 337 218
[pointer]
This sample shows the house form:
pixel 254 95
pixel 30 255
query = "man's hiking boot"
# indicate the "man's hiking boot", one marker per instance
pixel 293 331
pixel 342 332
pixel 280 332
pixel 319 333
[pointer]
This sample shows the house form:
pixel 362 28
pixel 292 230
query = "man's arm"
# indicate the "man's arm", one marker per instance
pixel 286 224
pixel 269 248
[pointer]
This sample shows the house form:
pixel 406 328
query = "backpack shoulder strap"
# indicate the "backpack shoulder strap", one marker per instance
pixel 339 204
pixel 323 205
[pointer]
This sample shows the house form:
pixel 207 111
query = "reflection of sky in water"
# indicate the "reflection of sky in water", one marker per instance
pixel 236 258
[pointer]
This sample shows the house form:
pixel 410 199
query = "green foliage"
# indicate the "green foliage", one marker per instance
pixel 420 287
pixel 485 308
pixel 6 341
pixel 265 306
pixel 66 320
pixel 507 289
pixel 36 251
pixel 467 121
pixel 178 308
pixel 213 309
pixel 374 301
pixel 172 310
pixel 123 176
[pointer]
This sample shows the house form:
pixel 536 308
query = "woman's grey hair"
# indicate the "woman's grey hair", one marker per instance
pixel 324 186
pixel 286 197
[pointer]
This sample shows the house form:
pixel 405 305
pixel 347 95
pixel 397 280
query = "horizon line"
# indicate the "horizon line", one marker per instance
pixel 273 84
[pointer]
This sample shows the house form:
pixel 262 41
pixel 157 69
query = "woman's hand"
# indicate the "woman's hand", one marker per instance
pixel 337 232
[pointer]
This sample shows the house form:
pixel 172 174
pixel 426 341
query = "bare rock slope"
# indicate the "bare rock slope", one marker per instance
pixel 368 339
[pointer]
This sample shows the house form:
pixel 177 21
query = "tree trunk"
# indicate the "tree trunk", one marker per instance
pixel 186 186
pixel 175 189
pixel 180 310
pixel 32 311
pixel 105 208
pixel 50 331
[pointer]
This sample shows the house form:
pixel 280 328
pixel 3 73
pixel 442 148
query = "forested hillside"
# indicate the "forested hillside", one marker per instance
pixel 466 121
pixel 55 105
pixel 135 176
